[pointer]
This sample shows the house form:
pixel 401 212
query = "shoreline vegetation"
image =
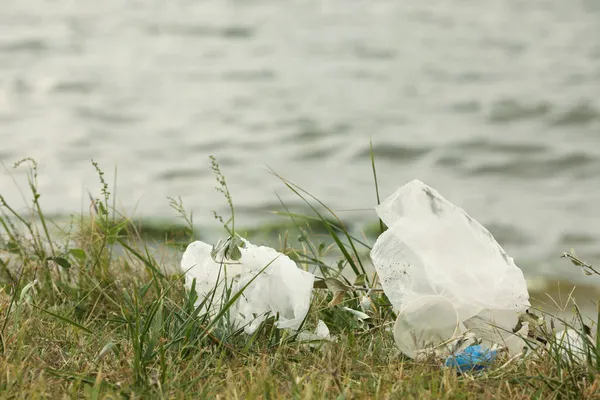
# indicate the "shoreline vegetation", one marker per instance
pixel 97 310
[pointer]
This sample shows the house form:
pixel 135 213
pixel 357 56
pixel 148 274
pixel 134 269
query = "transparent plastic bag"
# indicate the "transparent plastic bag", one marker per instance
pixel 434 248
pixel 282 289
pixel 427 325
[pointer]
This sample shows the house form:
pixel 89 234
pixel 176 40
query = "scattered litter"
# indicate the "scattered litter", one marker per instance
pixel 444 274
pixel 320 335
pixel 472 359
pixel 366 304
pixel 282 289
pixel 358 314
pixel 572 345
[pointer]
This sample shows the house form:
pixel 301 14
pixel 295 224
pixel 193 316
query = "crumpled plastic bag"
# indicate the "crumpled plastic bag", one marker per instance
pixel 444 273
pixel 281 289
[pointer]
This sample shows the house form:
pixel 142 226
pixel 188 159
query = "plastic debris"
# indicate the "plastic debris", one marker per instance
pixel 515 344
pixel 472 359
pixel 426 326
pixel 366 304
pixel 361 316
pixel 444 273
pixel 282 289
pixel 572 345
pixel 321 334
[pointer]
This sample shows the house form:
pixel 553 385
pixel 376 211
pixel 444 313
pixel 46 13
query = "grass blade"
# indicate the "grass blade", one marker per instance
pixel 68 321
pixel 381 226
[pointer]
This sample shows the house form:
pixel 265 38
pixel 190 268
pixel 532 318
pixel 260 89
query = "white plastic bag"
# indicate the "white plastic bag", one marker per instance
pixel 573 346
pixel 281 289
pixel 433 248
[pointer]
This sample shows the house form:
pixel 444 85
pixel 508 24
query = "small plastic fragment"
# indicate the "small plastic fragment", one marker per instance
pixel 282 289
pixel 321 334
pixel 444 273
pixel 572 345
pixel 361 316
pixel 366 304
pixel 472 359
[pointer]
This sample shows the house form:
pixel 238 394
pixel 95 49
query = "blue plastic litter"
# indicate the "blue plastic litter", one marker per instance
pixel 473 358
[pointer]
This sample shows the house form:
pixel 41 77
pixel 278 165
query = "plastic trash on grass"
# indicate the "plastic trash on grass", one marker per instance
pixel 573 345
pixel 281 289
pixel 316 338
pixel 472 359
pixel 444 273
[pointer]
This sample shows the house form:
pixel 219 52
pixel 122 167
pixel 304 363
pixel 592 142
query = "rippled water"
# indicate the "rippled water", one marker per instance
pixel 496 104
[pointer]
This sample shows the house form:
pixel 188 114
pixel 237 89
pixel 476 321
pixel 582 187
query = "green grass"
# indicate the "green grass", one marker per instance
pixel 93 311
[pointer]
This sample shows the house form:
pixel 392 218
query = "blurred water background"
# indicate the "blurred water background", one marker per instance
pixel 494 103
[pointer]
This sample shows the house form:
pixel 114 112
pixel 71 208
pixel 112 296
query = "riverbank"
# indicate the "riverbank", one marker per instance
pixel 99 310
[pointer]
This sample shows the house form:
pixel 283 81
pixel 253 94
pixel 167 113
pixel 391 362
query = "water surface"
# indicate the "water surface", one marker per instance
pixel 496 104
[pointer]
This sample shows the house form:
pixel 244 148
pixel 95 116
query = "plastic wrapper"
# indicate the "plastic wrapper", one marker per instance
pixel 281 290
pixel 444 272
